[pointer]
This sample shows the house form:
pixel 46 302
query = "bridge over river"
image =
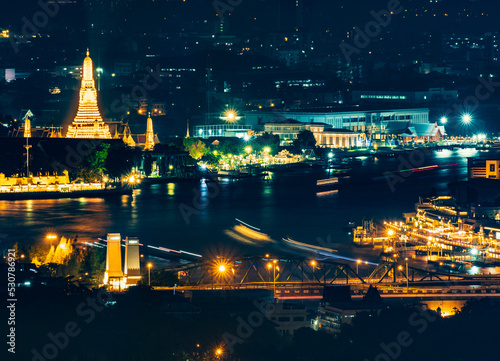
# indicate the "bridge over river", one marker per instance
pixel 302 278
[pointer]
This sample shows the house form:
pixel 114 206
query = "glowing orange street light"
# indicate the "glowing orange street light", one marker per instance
pixel 222 268
pixel 50 237
pixel 149 273
pixel 274 274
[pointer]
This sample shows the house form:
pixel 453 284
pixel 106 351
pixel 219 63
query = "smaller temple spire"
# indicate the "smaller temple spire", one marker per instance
pixel 88 52
pixel 27 127
pixel 150 137
pixel 187 133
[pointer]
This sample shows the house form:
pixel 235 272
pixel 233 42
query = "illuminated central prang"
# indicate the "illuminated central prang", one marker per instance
pixel 88 122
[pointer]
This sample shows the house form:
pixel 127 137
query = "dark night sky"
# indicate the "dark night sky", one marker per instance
pixel 258 15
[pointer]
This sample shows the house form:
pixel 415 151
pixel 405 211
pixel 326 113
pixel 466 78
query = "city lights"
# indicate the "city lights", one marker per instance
pixel 324 153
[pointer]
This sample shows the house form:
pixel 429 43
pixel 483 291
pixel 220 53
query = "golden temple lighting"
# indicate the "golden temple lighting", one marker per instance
pixel 88 122
pixel 27 127
pixel 150 137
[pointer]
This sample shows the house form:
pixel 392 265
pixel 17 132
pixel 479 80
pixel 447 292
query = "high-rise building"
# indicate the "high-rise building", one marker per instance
pixel 88 122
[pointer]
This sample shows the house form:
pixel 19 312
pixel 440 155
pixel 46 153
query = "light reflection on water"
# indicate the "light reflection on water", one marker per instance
pixel 171 189
pixel 284 204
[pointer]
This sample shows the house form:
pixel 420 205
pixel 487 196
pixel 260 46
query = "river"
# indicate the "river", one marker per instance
pixel 194 216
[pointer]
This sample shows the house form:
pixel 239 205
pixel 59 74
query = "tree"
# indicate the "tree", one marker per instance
pixel 93 166
pixel 305 139
pixel 230 146
pixel 211 159
pixel 120 160
pixel 195 147
pixel 267 140
pixel 161 278
pixel 147 163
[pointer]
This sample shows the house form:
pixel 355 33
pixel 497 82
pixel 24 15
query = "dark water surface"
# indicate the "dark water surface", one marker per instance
pixel 286 204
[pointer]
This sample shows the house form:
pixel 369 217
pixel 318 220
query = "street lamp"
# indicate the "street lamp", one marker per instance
pixel 313 263
pixel 219 352
pixel 357 265
pixel 149 273
pixel 50 237
pixel 466 118
pixel 406 259
pixel 230 115
pixel 444 120
pixel 269 265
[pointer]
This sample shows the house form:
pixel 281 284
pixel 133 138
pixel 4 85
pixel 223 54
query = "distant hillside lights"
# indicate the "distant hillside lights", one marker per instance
pixel 372 29
pixel 39 20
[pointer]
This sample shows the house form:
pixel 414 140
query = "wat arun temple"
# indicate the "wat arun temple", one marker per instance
pixel 88 122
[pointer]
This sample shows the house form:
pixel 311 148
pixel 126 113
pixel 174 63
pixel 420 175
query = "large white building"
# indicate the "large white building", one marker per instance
pixel 355 120
pixel 340 129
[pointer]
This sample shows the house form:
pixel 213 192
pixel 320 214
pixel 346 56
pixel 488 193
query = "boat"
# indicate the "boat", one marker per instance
pixel 328 182
pixel 244 173
pixel 327 186
pixel 309 247
pixel 351 161
pixel 340 171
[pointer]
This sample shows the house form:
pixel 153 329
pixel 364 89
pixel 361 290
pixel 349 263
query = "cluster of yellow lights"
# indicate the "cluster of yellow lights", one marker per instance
pixel 133 179
pixel 58 253
pixel 88 122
